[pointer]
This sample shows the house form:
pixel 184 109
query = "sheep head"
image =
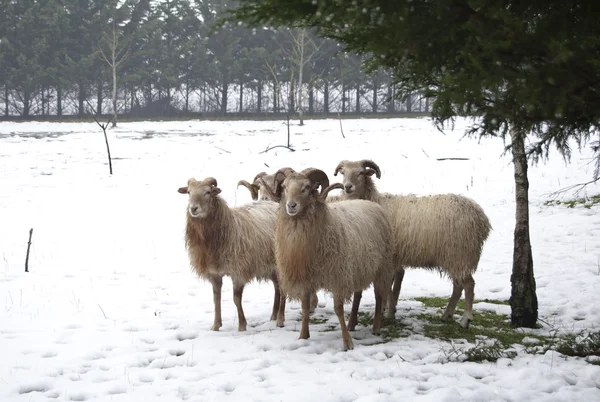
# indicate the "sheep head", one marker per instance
pixel 297 191
pixel 201 196
pixel 263 185
pixel 357 176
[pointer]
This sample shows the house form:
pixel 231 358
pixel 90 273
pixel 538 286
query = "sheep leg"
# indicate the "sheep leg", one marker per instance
pixel 457 289
pixel 314 301
pixel 276 300
pixel 281 312
pixel 216 282
pixel 378 312
pixel 304 333
pixel 338 306
pixel 469 285
pixel 353 320
pixel 238 289
pixel 395 294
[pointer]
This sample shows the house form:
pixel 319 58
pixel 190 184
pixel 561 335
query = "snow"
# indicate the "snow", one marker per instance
pixel 112 311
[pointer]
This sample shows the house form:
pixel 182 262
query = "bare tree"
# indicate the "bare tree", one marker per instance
pixel 302 51
pixel 116 55
pixel 287 109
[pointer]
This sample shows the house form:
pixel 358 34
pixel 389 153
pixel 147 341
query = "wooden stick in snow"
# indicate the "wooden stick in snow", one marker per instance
pixel 28 248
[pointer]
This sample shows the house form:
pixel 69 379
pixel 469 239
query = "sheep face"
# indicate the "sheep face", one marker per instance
pixel 298 193
pixel 356 175
pixel 201 196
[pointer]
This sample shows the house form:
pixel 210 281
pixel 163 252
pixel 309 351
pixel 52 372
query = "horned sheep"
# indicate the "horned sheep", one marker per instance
pixel 340 247
pixel 445 232
pixel 236 242
pixel 259 191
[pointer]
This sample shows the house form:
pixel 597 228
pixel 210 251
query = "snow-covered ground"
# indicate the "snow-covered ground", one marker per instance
pixel 111 310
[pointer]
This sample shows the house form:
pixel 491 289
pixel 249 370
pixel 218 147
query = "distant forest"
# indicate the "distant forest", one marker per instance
pixel 144 58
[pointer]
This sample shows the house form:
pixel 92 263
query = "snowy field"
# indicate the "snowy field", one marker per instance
pixel 111 311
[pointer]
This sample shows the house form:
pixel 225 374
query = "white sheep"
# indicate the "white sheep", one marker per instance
pixel 257 189
pixel 444 232
pixel 236 242
pixel 341 247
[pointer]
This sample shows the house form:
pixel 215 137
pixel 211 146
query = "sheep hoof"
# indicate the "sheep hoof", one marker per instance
pixel 215 327
pixel 280 324
pixel 464 322
pixel 273 316
pixel 348 346
pixel 241 328
pixel 445 317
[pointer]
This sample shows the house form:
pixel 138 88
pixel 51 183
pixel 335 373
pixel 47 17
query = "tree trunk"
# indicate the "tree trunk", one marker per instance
pixel 326 97
pixel 357 106
pixel 26 103
pixel 43 102
pixel 375 89
pixel 259 95
pixel 390 105
pixel 224 98
pixel 311 99
pixel 241 96
pixel 187 95
pixel 409 103
pixel 275 92
pixel 343 98
pixel 100 98
pixel 58 101
pixel 81 99
pixel 6 110
pixel 427 104
pixel 292 106
pixel 523 299
pixel 114 91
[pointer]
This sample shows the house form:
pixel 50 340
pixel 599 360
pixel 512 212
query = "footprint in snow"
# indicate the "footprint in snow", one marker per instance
pixel 35 386
pixel 48 354
pixel 176 352
pixel 186 335
pixel 78 396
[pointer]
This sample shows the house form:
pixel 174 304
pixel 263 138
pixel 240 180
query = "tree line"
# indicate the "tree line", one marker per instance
pixel 170 58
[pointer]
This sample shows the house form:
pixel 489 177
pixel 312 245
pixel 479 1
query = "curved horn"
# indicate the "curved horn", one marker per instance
pixel 253 188
pixel 370 164
pixel 339 167
pixel 334 186
pixel 262 185
pixel 287 171
pixel 278 179
pixel 261 174
pixel 317 176
pixel 211 180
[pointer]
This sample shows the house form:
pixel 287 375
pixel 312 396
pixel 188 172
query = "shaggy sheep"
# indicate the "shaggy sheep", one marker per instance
pixel 444 232
pixel 257 190
pixel 341 247
pixel 237 242
pixel 261 180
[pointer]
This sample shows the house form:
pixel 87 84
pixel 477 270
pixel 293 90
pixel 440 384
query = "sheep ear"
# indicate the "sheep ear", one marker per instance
pixel 215 190
pixel 183 190
pixel 370 172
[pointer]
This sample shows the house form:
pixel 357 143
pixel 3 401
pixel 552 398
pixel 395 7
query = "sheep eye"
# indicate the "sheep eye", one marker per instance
pixel 207 193
pixel 361 173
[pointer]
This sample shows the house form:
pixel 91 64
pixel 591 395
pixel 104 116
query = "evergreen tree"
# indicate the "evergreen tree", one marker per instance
pixel 522 67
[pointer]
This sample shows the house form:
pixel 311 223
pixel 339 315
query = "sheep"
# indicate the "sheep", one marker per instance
pixel 341 247
pixel 444 232
pixel 237 242
pixel 257 190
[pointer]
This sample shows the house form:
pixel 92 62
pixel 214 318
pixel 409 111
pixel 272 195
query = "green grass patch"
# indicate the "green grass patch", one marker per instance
pixel 317 320
pixel 588 202
pixel 581 345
